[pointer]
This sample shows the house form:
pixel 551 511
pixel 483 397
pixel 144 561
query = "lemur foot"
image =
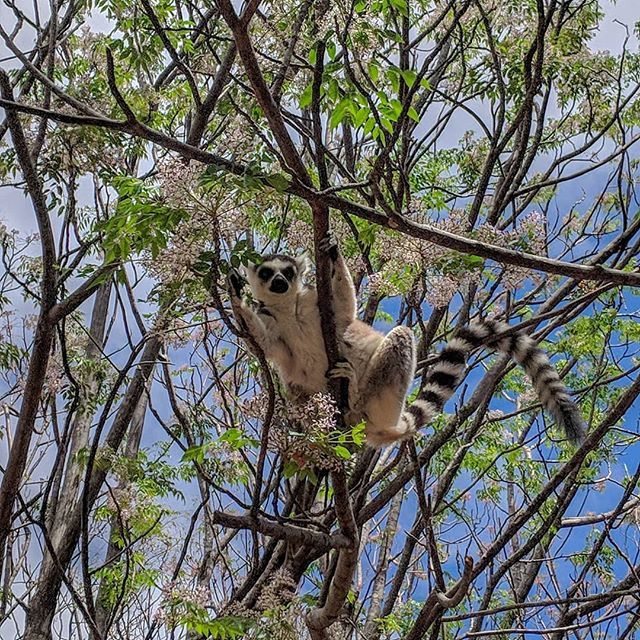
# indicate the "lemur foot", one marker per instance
pixel 235 282
pixel 343 369
pixel 329 244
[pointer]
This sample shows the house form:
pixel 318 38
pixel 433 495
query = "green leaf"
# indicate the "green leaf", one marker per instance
pixel 374 72
pixel 331 49
pixel 333 90
pixel 290 469
pixel 305 96
pixel 358 434
pixel 361 115
pixel 310 474
pixel 278 181
pixel 394 78
pixel 342 452
pixel 194 454
pixel 396 105
pixel 370 124
pixel 141 221
pixel 386 124
pixel 341 111
pixel 401 6
pixel 409 76
pixel 237 439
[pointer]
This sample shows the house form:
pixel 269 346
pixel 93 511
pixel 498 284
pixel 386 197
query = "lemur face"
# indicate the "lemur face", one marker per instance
pixel 276 277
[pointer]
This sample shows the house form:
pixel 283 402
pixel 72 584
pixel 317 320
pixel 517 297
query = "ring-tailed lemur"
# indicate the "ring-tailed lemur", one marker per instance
pixel 380 368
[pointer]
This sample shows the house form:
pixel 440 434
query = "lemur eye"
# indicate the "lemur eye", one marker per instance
pixel 288 273
pixel 265 273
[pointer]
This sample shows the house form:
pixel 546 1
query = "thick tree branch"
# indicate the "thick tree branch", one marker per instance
pixel 82 293
pixel 261 90
pixel 291 533
pixel 596 273
pixel 44 332
pixel 201 115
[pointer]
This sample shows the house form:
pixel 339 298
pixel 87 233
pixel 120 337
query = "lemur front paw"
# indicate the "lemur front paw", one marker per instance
pixel 329 244
pixel 235 282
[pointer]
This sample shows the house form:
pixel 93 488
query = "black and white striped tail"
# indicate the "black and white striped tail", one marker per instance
pixel 448 371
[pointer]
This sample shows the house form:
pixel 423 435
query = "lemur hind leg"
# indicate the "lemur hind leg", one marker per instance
pixel 384 387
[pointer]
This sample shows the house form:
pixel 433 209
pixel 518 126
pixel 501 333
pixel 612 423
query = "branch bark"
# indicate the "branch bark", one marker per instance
pixel 44 332
pixel 396 221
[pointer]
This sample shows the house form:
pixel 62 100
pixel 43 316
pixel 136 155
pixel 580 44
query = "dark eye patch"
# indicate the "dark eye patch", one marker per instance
pixel 288 273
pixel 265 273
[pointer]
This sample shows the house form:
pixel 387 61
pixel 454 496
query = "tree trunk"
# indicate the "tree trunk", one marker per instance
pixel 43 602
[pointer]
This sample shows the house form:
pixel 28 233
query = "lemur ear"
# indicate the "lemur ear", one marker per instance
pixel 303 262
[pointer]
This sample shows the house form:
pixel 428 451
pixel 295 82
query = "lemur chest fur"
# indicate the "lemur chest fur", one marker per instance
pixel 298 347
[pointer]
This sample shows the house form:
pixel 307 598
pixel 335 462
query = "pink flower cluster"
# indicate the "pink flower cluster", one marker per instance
pixel 176 599
pixel 302 430
pixel 207 211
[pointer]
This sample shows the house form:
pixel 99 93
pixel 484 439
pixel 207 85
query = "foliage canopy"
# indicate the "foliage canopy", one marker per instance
pixel 475 158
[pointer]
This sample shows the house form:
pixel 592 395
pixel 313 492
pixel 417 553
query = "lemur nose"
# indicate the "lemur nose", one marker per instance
pixel 279 284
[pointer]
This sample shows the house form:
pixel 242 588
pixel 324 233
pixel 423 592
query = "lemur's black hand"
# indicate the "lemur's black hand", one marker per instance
pixel 329 244
pixel 236 282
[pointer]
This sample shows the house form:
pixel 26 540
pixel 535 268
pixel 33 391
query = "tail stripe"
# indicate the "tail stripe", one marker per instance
pixel 420 410
pixel 448 370
pixel 469 334
pixel 524 349
pixel 544 373
pixel 444 379
pixel 409 418
pixel 431 397
pixel 453 355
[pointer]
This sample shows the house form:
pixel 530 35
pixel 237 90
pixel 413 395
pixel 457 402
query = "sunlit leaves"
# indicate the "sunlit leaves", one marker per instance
pixel 140 222
pixel 10 355
pixel 237 439
pixel 218 457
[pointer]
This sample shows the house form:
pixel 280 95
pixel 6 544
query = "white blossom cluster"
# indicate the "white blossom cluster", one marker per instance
pixel 442 282
pixel 299 235
pixel 176 598
pixel 301 432
pixel 179 182
pixel 178 334
pixel 91 375
pixel 127 501
pixel 255 407
pixel 180 188
pixel 441 288
pixel 395 253
pixel 239 139
pixel 299 238
pixel 277 613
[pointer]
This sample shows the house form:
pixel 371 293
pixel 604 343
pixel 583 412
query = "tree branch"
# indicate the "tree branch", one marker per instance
pixel 596 273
